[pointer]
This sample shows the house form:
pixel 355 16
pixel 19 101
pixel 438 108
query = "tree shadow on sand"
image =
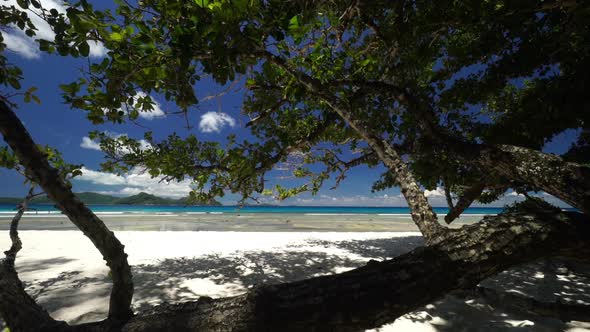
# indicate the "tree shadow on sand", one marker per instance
pixel 215 275
pixel 546 281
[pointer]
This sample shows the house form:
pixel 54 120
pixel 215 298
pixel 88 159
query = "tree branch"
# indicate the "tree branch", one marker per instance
pixel 567 181
pixel 448 197
pixel 547 172
pixel 41 172
pixel 421 211
pixel 14 238
pixel 469 195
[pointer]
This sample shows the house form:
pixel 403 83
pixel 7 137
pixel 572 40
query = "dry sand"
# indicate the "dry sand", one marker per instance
pixel 65 273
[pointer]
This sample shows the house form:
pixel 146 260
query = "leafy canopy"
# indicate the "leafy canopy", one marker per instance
pixel 492 72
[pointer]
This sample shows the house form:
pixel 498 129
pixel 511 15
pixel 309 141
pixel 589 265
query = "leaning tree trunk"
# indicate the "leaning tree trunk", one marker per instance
pixel 380 292
pixel 40 171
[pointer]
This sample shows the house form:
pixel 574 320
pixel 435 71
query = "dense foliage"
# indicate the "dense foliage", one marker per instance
pixel 415 73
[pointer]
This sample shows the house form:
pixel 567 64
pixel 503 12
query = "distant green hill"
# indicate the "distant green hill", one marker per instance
pixel 186 200
pixel 145 198
pixel 100 199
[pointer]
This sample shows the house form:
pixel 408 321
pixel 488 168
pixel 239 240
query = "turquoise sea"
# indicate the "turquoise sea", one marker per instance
pixel 163 209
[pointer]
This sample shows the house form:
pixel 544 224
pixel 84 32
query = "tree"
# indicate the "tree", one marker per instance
pixel 459 94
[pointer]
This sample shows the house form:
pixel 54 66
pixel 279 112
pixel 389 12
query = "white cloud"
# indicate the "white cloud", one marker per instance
pixel 157 112
pixel 135 182
pixel 90 144
pixel 215 121
pixel 514 193
pixel 435 198
pixel 352 200
pixel 438 192
pixel 17 41
pixel 96 177
pixel 23 46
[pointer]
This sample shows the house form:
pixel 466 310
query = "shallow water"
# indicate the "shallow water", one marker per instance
pixel 310 210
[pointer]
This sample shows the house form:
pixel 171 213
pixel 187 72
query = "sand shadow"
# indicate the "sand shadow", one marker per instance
pixel 185 279
pixel 546 280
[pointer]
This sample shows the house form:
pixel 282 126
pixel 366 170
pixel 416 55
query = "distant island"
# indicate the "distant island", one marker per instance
pixel 101 199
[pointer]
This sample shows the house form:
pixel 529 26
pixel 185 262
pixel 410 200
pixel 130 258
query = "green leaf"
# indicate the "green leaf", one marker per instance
pixel 14 83
pixel 84 49
pixel 202 3
pixel 115 36
pixel 294 23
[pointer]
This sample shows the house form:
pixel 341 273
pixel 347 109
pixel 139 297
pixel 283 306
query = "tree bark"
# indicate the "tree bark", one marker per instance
pixel 17 244
pixel 567 181
pixel 41 172
pixel 380 292
pixel 17 308
pixel 464 202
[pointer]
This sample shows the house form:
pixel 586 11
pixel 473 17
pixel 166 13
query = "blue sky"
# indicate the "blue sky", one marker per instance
pixel 55 124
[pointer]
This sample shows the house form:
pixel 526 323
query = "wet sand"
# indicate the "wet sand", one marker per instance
pixel 250 222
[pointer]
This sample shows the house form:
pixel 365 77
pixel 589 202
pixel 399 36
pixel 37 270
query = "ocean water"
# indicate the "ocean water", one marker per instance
pixel 309 210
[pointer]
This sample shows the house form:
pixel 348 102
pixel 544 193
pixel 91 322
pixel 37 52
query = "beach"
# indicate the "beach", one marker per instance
pixel 247 222
pixel 181 257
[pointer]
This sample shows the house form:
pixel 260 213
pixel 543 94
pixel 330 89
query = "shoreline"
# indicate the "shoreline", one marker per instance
pixel 250 222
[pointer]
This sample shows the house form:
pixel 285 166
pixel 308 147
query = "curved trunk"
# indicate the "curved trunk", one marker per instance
pixel 38 169
pixel 17 308
pixel 17 245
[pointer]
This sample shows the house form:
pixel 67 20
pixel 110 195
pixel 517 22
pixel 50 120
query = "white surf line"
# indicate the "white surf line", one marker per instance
pixel 336 214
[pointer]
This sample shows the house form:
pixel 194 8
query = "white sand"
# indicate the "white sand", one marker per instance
pixel 65 273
